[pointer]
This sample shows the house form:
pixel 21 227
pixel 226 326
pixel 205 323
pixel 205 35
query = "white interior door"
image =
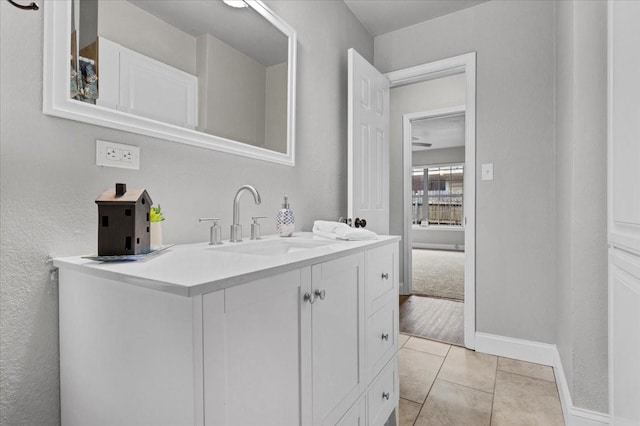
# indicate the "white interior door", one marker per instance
pixel 368 176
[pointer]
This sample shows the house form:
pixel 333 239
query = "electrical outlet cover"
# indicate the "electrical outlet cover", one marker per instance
pixel 112 154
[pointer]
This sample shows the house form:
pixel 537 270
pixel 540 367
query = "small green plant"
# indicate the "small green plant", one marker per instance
pixel 155 214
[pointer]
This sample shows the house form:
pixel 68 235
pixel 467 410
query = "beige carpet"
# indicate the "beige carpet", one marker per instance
pixel 438 273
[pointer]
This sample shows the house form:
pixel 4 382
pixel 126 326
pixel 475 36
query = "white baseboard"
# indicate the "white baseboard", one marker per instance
pixel 455 247
pixel 509 347
pixel 545 354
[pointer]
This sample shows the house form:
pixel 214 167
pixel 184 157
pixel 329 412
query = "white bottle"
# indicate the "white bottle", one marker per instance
pixel 285 222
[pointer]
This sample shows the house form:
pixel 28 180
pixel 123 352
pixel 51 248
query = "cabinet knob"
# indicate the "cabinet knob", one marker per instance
pixel 385 275
pixel 320 294
pixel 385 336
pixel 309 298
pixel 385 395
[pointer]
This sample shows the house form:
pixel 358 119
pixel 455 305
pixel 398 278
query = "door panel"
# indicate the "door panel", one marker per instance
pixel 368 192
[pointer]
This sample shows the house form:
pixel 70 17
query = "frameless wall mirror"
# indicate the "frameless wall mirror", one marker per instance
pixel 210 73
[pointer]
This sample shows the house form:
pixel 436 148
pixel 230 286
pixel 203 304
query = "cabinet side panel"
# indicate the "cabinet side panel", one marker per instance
pixel 126 353
pixel 214 360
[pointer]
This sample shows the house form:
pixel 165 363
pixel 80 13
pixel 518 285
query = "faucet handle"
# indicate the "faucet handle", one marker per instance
pixel 255 227
pixel 215 232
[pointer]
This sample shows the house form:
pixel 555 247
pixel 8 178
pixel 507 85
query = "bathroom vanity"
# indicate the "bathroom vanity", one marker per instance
pixel 278 331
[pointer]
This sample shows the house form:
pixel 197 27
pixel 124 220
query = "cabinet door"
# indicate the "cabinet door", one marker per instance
pixel 356 416
pixel 256 345
pixel 624 338
pixel 337 337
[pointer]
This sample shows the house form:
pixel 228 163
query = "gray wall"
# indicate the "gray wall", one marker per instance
pixel 426 235
pixel 137 29
pixel 515 213
pixel 233 86
pixel 275 122
pixel 48 184
pixel 581 126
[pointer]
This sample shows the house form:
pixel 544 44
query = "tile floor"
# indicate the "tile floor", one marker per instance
pixel 448 385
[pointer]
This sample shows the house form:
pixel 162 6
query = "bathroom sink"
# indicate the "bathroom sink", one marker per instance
pixel 272 247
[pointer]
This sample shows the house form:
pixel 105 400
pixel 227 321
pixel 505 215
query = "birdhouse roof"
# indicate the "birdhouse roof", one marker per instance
pixel 130 197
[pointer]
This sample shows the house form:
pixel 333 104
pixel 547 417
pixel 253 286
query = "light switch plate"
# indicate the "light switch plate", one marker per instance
pixel 112 154
pixel 487 171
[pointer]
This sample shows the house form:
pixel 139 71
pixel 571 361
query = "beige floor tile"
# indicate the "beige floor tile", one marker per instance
pixel 429 346
pixel 402 339
pixel 524 368
pixel 470 368
pixel 526 401
pixel 408 412
pixel 418 370
pixel 452 404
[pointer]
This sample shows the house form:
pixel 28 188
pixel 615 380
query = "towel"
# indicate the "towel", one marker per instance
pixel 341 231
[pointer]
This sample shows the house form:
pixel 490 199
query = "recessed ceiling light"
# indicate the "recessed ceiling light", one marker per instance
pixel 235 3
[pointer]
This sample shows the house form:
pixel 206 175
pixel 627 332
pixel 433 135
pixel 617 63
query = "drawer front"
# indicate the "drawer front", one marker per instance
pixel 381 275
pixel 382 334
pixel 383 395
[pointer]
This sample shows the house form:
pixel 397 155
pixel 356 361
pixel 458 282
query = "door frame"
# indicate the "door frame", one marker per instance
pixel 466 64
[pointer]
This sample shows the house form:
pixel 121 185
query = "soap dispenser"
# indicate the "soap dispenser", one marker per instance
pixel 285 222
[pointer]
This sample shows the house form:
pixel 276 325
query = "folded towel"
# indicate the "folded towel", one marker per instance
pixel 342 231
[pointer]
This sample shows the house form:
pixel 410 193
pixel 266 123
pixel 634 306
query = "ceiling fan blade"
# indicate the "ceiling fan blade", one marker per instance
pixel 425 144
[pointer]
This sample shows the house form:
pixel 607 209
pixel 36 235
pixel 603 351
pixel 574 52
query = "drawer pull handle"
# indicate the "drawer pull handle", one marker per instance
pixel 309 298
pixel 385 276
pixel 385 336
pixel 320 294
pixel 385 395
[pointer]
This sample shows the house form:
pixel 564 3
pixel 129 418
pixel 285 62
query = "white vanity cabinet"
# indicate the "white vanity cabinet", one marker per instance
pixel 315 344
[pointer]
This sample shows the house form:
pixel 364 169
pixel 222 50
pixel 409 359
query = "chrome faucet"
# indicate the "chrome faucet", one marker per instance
pixel 236 228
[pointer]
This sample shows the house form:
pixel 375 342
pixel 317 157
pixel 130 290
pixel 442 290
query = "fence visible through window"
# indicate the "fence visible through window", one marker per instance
pixel 438 195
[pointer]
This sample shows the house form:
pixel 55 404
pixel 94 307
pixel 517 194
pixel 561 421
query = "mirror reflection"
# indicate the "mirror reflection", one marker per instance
pixel 197 64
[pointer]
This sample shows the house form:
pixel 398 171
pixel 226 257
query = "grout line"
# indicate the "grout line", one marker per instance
pixel 493 398
pixel 464 386
pixel 528 377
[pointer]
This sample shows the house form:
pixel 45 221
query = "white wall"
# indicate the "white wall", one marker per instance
pixel 428 235
pixel 515 213
pixel 581 126
pixel 48 184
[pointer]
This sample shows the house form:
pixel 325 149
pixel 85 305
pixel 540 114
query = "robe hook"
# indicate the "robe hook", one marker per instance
pixel 32 6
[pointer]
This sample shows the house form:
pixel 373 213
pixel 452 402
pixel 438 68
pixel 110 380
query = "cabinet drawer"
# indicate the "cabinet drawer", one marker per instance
pixel 384 394
pixel 382 334
pixel 381 275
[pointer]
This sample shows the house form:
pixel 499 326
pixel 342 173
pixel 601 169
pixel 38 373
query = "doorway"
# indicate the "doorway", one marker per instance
pixel 463 66
pixel 436 305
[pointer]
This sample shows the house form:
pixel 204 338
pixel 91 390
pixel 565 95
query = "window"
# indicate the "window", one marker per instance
pixel 437 200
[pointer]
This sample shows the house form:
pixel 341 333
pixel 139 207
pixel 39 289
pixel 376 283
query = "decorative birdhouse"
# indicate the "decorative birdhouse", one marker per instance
pixel 123 221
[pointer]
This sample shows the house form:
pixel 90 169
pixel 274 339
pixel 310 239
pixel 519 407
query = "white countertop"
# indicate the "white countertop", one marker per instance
pixel 193 269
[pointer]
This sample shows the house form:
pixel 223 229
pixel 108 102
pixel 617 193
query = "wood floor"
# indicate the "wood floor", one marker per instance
pixel 435 319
